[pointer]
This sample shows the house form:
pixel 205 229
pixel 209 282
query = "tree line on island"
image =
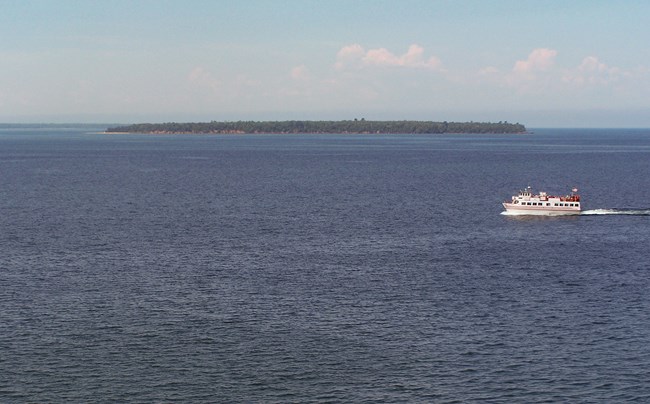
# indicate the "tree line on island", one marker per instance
pixel 356 126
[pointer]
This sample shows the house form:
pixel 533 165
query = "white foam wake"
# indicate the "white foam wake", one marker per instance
pixel 592 212
pixel 635 212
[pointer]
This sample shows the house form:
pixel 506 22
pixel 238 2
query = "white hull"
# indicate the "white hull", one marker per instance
pixel 521 210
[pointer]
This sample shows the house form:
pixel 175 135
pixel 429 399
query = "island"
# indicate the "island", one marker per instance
pixel 356 126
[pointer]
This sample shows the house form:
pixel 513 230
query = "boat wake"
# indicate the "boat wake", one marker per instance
pixel 592 212
pixel 632 212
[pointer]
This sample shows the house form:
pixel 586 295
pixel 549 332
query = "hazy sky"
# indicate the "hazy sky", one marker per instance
pixel 541 63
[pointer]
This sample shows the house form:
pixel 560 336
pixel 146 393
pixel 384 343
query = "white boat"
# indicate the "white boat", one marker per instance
pixel 527 203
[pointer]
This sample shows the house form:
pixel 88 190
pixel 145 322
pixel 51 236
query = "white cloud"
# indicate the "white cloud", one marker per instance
pixel 354 50
pixel 536 74
pixel 355 56
pixel 593 72
pixel 201 77
pixel 488 71
pixel 380 79
pixel 349 55
pixel 300 73
pixel 591 64
pixel 540 59
pixel 539 80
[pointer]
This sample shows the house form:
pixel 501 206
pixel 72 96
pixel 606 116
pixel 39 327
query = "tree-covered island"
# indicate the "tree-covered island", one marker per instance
pixel 357 126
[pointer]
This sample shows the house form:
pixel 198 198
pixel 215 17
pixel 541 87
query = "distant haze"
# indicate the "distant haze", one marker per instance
pixel 543 64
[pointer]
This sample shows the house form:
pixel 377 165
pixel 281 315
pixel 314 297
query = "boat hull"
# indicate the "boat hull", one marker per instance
pixel 513 209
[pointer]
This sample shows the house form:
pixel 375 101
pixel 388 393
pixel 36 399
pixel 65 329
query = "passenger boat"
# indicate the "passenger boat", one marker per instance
pixel 527 203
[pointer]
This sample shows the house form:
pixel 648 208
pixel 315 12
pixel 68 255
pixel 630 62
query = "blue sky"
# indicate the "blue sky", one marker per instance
pixel 541 63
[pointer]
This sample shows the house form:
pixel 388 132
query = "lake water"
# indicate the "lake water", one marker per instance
pixel 300 268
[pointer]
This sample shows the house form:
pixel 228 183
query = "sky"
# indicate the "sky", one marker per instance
pixel 543 63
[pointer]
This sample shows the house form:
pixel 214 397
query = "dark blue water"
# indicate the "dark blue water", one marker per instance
pixel 137 268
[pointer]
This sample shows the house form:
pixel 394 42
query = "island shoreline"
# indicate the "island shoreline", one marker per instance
pixel 355 127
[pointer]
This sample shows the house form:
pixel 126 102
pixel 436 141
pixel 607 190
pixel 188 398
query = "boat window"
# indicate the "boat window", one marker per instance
pixel 548 204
